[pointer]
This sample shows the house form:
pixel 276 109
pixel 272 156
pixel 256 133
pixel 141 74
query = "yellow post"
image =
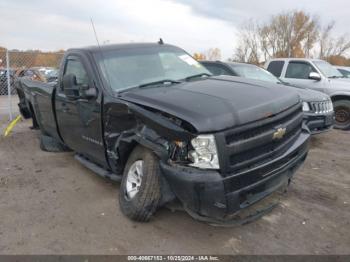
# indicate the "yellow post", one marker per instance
pixel 11 126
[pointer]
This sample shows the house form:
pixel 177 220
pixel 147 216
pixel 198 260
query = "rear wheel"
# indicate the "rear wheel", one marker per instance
pixel 342 114
pixel 140 193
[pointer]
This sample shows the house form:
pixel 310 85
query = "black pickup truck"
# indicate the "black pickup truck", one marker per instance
pixel 152 117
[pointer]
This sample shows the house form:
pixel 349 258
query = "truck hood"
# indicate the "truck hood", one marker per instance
pixel 215 103
pixel 309 95
pixel 306 94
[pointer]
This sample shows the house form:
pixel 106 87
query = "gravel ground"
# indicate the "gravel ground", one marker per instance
pixel 50 204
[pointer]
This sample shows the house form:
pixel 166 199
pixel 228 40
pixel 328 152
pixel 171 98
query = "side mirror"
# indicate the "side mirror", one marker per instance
pixel 74 91
pixel 70 87
pixel 87 92
pixel 315 76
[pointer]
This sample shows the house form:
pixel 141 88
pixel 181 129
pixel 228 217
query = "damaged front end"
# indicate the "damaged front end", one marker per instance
pixel 196 167
pixel 253 165
pixel 167 136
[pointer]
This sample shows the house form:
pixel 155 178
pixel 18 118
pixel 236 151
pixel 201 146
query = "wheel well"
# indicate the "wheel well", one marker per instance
pixel 124 151
pixel 340 97
pixel 125 148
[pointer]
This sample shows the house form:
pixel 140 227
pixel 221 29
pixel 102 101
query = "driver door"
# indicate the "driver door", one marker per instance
pixel 79 117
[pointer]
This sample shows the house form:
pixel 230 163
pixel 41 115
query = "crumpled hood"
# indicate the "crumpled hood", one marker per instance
pixel 216 103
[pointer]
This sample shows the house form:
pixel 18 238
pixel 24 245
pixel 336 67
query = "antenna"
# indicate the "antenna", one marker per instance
pixel 93 28
pixel 99 47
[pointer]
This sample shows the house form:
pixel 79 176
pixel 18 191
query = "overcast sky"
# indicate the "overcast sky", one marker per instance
pixel 192 25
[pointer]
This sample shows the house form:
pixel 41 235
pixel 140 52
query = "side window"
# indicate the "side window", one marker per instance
pixel 217 69
pixel 75 67
pixel 299 70
pixel 275 68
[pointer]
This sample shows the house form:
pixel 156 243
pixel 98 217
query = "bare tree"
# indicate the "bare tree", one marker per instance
pixel 289 34
pixel 325 40
pixel 213 54
pixel 249 44
pixel 332 46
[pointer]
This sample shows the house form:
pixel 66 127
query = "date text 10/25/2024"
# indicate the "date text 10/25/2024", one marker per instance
pixel 173 258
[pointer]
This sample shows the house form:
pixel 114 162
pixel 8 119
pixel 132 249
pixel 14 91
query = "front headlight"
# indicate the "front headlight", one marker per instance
pixel 330 106
pixel 306 107
pixel 205 153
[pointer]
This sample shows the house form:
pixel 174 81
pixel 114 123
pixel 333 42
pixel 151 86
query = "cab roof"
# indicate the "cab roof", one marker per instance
pixel 96 48
pixel 295 59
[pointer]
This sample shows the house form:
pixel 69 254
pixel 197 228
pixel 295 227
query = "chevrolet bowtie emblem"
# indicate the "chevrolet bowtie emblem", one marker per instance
pixel 280 132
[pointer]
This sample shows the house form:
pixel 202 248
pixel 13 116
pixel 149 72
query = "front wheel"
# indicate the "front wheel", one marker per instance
pixel 342 114
pixel 140 192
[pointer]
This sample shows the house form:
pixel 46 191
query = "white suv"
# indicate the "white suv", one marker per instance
pixel 318 75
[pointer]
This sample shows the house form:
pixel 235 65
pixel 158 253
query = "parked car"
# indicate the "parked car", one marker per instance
pixel 150 116
pixel 3 82
pixel 344 70
pixel 317 75
pixel 50 73
pixel 32 73
pixel 317 106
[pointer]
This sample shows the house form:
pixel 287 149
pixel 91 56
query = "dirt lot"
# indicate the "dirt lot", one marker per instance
pixel 50 204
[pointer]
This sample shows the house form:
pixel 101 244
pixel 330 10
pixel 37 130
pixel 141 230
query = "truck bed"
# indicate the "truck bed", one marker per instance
pixel 37 98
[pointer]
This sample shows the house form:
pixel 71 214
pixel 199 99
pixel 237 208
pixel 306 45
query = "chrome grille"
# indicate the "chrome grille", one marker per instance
pixel 321 107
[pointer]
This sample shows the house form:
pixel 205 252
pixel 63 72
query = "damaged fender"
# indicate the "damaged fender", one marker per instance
pixel 150 129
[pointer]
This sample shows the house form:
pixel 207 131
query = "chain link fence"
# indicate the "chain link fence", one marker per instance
pixel 13 64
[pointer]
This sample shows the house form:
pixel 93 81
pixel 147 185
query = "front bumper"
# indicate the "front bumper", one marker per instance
pixel 209 196
pixel 319 123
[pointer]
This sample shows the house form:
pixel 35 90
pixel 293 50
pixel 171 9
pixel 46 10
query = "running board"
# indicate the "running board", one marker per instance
pixel 97 169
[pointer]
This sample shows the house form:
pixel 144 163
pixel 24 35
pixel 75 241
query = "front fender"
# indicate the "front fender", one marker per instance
pixel 161 124
pixel 127 124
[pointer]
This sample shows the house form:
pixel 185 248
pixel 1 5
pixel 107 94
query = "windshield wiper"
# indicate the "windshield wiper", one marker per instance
pixel 163 81
pixel 336 77
pixel 197 75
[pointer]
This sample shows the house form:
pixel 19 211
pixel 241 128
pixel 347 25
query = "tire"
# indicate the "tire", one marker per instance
pixel 342 114
pixel 140 206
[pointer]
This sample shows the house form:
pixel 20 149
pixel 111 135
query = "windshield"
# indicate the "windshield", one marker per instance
pixel 126 68
pixel 327 69
pixel 253 72
pixel 344 72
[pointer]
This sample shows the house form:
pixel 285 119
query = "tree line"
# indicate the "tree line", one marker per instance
pixel 288 34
